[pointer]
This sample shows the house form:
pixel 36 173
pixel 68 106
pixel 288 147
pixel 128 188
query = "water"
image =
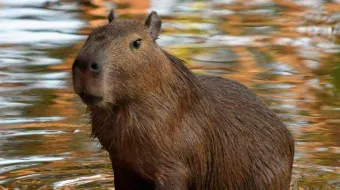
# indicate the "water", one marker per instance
pixel 286 51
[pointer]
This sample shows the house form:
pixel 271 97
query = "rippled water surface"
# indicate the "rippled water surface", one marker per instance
pixel 286 51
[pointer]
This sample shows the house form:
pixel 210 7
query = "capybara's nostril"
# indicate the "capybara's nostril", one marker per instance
pixel 94 67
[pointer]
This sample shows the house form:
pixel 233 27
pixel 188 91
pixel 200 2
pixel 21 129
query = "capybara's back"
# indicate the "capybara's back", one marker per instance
pixel 246 145
pixel 167 128
pixel 256 147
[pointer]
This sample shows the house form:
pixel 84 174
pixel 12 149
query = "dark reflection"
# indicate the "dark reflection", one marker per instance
pixel 286 51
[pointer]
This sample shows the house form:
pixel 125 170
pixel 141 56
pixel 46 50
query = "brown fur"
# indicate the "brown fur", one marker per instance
pixel 167 128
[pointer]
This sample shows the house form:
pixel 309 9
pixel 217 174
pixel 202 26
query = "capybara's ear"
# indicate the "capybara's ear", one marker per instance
pixel 154 23
pixel 111 16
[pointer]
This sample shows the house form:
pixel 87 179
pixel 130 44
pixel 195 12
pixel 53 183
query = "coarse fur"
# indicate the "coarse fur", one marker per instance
pixel 167 128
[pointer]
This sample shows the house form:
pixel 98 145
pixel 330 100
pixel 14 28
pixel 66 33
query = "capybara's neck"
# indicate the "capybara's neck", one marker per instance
pixel 155 110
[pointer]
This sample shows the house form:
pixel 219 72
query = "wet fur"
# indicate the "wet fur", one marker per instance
pixel 197 132
pixel 167 128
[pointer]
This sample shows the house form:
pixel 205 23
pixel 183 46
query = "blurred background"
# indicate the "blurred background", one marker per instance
pixel 286 51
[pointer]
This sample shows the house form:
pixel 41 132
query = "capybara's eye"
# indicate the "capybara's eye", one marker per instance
pixel 136 44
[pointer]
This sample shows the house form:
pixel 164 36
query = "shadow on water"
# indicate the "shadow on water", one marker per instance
pixel 287 52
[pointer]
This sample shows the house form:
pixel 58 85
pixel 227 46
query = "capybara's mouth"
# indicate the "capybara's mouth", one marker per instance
pixel 90 99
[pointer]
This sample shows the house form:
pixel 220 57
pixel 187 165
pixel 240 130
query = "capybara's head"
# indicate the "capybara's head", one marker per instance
pixel 119 61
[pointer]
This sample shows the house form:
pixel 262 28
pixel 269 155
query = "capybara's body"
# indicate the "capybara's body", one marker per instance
pixel 167 128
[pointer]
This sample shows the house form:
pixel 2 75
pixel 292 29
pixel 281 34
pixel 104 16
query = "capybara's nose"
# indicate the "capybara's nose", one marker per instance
pixel 87 65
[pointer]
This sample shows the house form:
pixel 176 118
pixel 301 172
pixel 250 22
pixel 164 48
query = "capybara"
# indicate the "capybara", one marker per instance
pixel 165 127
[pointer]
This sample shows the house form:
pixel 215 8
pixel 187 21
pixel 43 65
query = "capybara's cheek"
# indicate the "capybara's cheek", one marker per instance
pixel 111 88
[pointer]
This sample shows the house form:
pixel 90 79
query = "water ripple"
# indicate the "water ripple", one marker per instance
pixel 30 159
pixel 10 120
pixel 12 133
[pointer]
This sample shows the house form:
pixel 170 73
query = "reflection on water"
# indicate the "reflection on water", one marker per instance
pixel 286 51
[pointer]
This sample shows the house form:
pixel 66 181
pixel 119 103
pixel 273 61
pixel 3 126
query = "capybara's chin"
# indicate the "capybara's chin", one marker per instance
pixel 90 100
pixel 165 127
